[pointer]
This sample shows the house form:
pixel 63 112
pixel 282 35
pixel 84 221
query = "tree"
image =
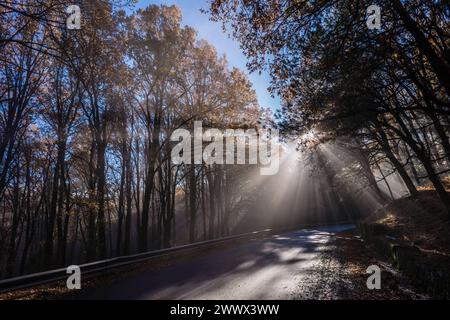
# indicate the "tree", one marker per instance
pixel 339 78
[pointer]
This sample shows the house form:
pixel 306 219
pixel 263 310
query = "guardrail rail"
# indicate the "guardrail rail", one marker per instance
pixel 30 280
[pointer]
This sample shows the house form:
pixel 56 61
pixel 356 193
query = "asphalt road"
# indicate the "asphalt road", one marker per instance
pixel 271 268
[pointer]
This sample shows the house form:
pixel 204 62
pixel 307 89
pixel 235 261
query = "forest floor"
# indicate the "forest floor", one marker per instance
pixel 341 274
pixel 421 221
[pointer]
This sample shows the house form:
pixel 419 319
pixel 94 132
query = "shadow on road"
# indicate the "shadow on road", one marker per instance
pixel 260 269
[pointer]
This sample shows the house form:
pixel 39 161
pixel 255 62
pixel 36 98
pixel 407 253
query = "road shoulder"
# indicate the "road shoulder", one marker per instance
pixel 341 274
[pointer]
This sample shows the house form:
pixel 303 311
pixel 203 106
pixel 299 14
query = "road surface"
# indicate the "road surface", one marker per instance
pixel 271 268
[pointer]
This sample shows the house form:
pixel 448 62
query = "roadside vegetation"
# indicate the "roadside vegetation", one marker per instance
pixel 413 234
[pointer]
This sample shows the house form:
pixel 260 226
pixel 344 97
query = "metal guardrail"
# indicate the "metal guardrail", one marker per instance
pixel 40 278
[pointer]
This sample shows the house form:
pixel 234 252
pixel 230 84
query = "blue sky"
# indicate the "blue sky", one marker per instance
pixel 212 32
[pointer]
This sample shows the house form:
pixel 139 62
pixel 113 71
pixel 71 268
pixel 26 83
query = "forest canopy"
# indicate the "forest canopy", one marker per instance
pixel 382 93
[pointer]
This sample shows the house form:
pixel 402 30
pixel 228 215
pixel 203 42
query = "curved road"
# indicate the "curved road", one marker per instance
pixel 271 268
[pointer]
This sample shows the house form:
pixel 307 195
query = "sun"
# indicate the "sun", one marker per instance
pixel 309 136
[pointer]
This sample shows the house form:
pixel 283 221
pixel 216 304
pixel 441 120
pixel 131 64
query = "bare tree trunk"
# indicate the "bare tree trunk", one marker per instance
pixel 121 206
pixel 439 66
pixel 101 222
pixel 212 204
pixel 203 202
pixel 14 227
pixel 192 203
pixel 396 163
pixel 128 182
